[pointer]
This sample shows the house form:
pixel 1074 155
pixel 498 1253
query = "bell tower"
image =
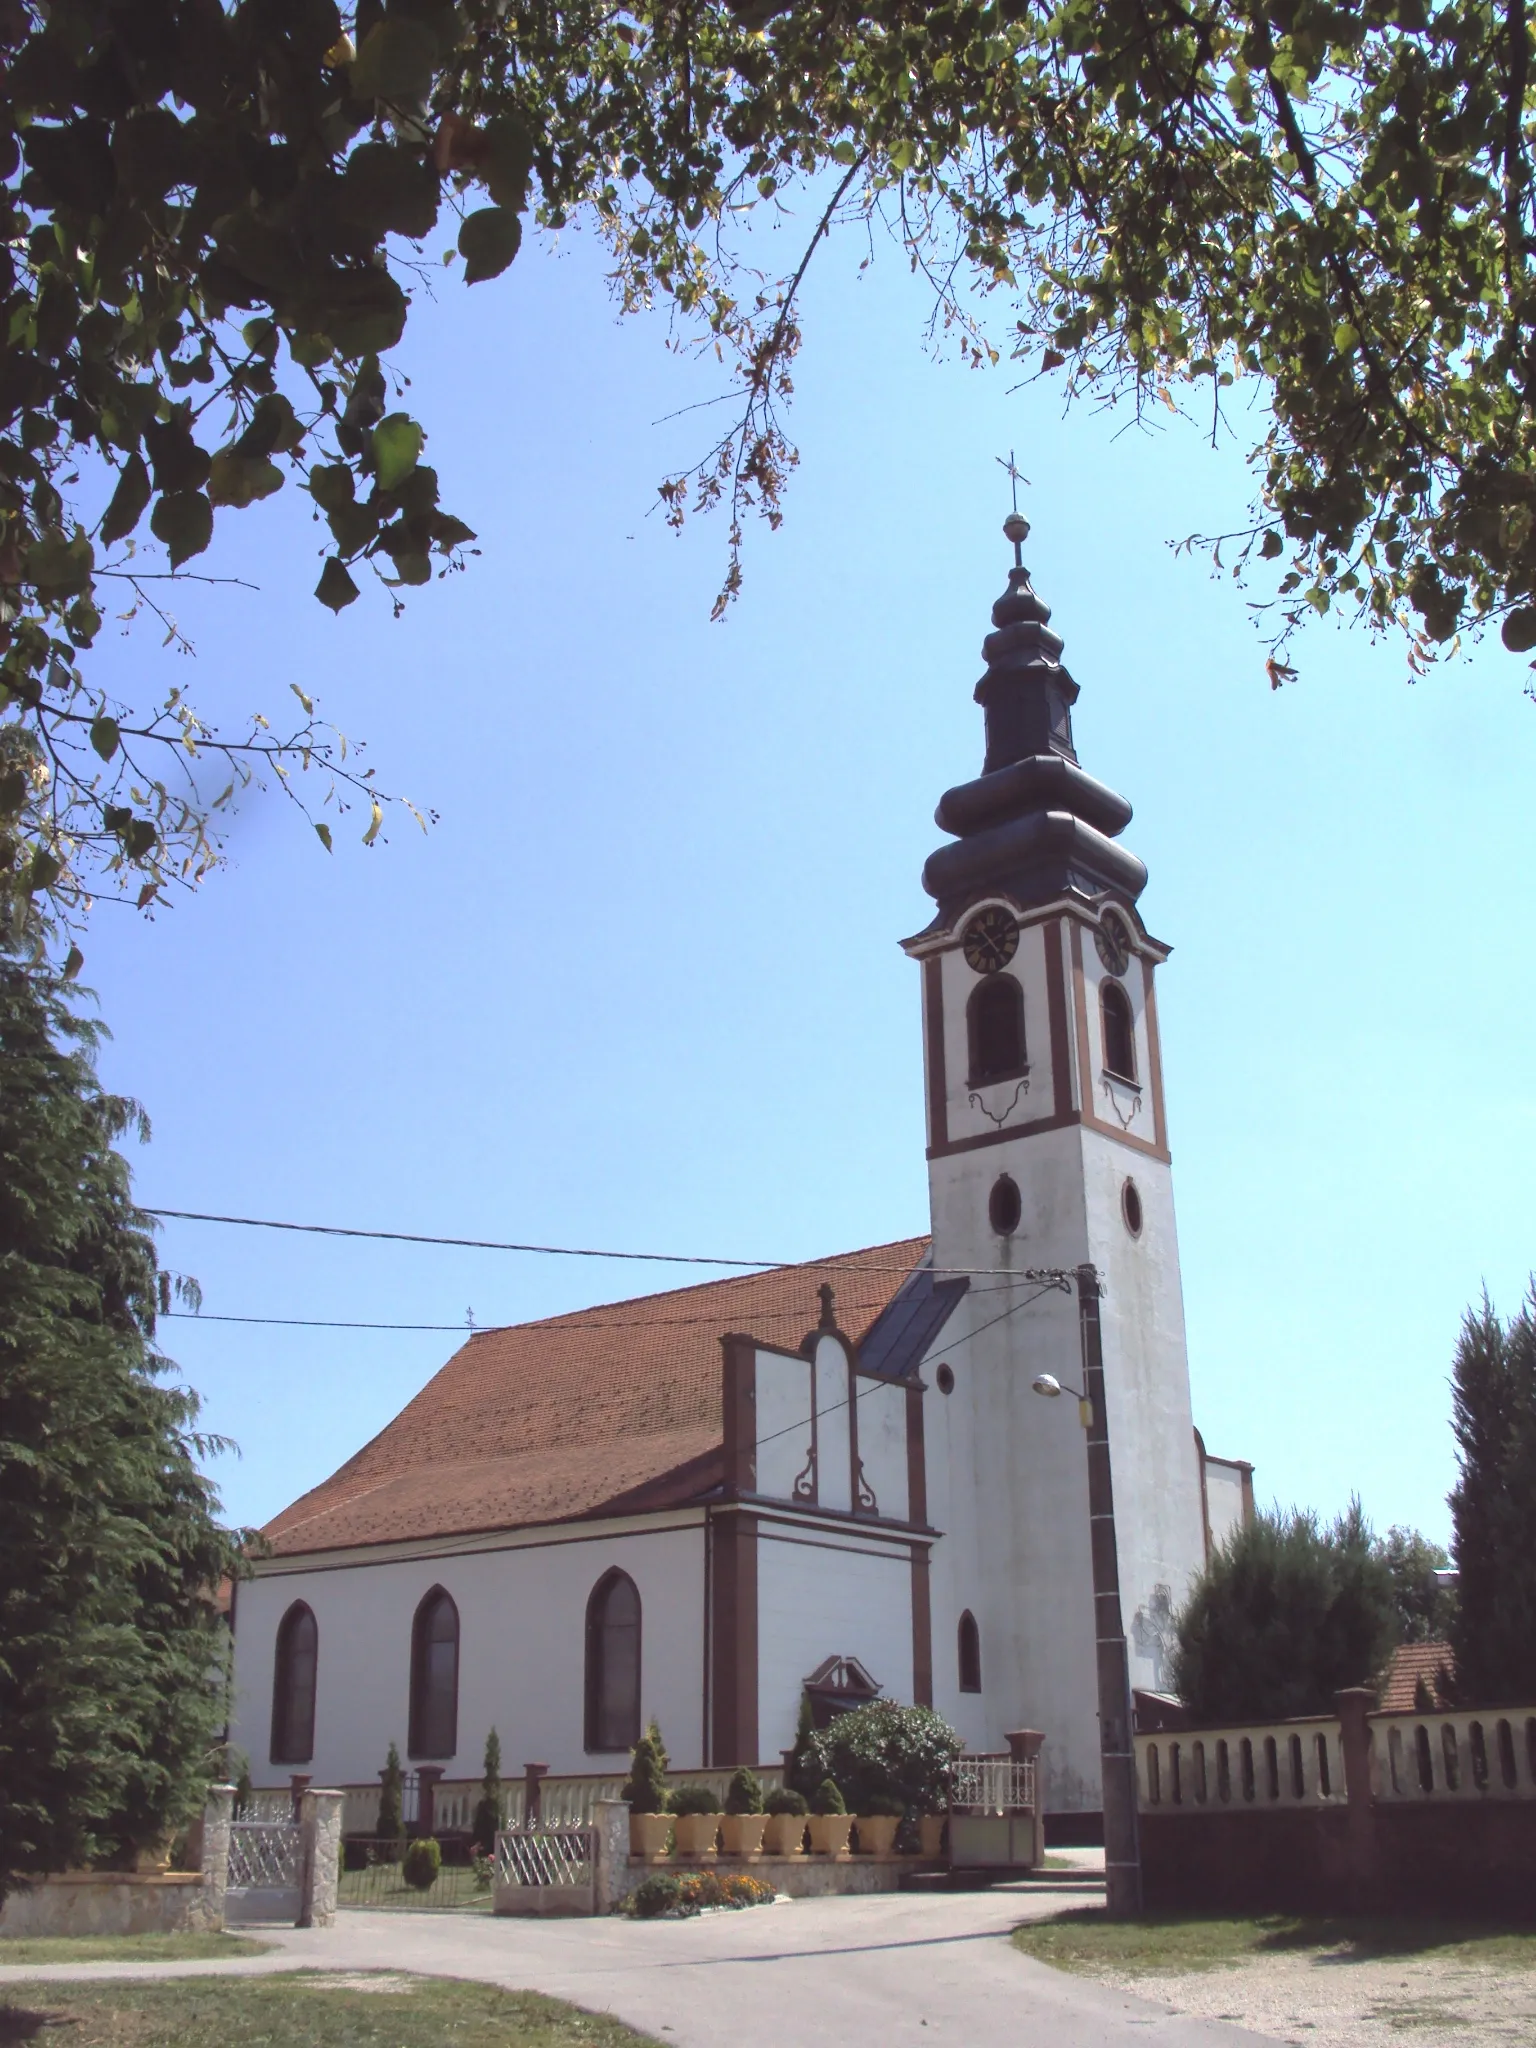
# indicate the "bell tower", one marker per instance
pixel 1047 1151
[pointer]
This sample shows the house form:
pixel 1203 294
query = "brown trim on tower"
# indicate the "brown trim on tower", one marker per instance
pixel 1154 1054
pixel 980 1138
pixel 734 1631
pixel 1108 1130
pixel 738 1395
pixel 933 1034
pixel 1080 1005
pixel 1056 1011
pixel 922 1632
pixel 917 1457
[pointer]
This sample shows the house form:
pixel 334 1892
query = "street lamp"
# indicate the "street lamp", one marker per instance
pixel 1117 1754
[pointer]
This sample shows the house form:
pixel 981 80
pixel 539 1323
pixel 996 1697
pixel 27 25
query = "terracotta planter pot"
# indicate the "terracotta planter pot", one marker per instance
pixel 741 1834
pixel 696 1833
pixel 830 1832
pixel 877 1833
pixel 785 1834
pixel 648 1834
pixel 930 1827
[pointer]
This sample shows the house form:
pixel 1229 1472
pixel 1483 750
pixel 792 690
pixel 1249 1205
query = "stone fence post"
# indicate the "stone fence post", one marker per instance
pixel 1352 1706
pixel 610 1853
pixel 1024 1746
pixel 211 1847
pixel 319 1857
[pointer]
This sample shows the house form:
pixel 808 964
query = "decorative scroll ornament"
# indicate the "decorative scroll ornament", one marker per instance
pixel 1021 1088
pixel 863 1493
pixel 805 1479
pixel 1113 1086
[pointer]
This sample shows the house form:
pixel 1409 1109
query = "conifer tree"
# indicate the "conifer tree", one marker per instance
pixel 1493 1507
pixel 112 1650
pixel 490 1810
pixel 391 1827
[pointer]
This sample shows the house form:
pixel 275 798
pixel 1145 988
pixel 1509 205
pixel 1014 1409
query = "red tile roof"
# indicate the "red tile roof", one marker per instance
pixel 609 1411
pixel 1410 1663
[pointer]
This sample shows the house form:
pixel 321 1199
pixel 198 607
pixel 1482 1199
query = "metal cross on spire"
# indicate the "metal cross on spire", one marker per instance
pixel 1015 526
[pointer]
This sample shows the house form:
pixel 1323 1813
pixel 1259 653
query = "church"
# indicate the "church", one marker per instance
pixel 838 1477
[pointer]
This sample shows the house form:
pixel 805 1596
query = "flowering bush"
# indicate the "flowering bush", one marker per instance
pixel 677 1897
pixel 885 1751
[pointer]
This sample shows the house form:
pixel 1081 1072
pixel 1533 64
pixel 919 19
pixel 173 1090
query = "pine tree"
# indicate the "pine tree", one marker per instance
pixel 1285 1614
pixel 391 1827
pixel 490 1811
pixel 1493 1508
pixel 112 1650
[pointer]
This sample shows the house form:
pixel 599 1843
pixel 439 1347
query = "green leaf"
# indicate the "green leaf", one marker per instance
pixel 389 189
pixel 397 445
pixel 488 240
pixel 397 61
pixel 335 587
pixel 60 566
pixel 362 312
pixel 128 501
pixel 74 960
pixel 184 521
pixel 1518 631
pixel 508 160
pixel 323 834
pixel 240 479
pixel 330 485
pixel 104 735
pixel 1271 545
pixel 273 426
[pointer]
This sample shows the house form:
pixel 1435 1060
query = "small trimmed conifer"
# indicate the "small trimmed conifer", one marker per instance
pixel 646 1788
pixel 744 1794
pixel 491 1809
pixel 391 1827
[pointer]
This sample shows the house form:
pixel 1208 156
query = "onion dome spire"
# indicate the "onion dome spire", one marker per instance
pixel 1033 825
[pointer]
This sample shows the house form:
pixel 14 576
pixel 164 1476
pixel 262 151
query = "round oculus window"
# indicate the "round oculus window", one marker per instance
pixel 1005 1205
pixel 946 1379
pixel 1130 1207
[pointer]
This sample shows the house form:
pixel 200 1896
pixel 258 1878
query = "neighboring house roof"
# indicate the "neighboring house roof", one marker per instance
pixel 1410 1663
pixel 613 1410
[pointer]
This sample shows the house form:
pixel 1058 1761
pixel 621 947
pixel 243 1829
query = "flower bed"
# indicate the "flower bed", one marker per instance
pixel 678 1896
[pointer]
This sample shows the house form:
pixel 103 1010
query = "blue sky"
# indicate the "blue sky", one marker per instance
pixel 640 986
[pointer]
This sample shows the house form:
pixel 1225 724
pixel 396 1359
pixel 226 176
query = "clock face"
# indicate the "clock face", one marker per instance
pixel 1114 943
pixel 991 939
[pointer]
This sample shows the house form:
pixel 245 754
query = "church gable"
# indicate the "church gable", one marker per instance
pixel 614 1410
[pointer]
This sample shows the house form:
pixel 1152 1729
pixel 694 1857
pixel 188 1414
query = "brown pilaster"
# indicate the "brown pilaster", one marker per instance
pixel 738 1366
pixel 917 1458
pixel 922 1629
pixel 734 1636
pixel 1154 1056
pixel 1056 1013
pixel 933 1034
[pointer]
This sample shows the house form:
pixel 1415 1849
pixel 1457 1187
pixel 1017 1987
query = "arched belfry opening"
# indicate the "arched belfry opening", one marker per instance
pixel 994 1020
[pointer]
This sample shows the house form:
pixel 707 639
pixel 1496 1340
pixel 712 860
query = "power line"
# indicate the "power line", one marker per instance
pixel 567 1251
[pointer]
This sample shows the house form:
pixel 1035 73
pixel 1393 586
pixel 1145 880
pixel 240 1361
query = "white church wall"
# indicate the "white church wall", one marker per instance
pixel 522 1628
pixel 882 1419
pixel 821 1594
pixel 1227 1486
pixel 834 1390
pixel 783 1410
pixel 957 1581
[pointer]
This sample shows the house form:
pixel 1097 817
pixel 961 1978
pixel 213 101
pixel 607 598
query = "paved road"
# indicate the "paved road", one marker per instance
pixel 900 1970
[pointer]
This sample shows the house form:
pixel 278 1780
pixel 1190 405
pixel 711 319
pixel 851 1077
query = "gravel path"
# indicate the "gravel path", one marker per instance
pixel 1326 2001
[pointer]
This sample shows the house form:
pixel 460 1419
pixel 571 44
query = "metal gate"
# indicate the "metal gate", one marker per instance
pixel 265 1858
pixel 545 1869
pixel 993 1814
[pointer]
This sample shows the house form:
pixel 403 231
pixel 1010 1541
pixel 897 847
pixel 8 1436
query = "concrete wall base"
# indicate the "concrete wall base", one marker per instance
pixel 101 1902
pixel 543 1899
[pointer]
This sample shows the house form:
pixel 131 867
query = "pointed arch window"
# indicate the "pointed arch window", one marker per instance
pixel 293 1686
pixel 613 1664
pixel 994 1020
pixel 1119 1031
pixel 970 1653
pixel 435 1676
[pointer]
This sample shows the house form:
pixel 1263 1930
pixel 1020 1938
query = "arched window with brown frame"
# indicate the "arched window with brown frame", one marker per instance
pixel 435 1676
pixel 613 1665
pixel 294 1671
pixel 994 1019
pixel 970 1653
pixel 1119 1031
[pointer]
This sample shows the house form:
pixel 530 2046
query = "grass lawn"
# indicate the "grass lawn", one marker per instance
pixel 303 2010
pixel 1092 1944
pixel 125 1948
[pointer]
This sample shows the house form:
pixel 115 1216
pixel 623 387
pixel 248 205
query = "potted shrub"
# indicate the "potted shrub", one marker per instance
pixel 831 1823
pixel 879 1818
pixel 646 1793
pixel 696 1819
pixel 930 1831
pixel 786 1811
pixel 741 1831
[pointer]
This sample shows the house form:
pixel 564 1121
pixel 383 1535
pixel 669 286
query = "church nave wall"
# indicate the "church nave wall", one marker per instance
pixel 821 1595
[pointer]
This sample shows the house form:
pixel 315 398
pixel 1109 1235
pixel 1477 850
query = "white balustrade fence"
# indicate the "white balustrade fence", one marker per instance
pixel 990 1784
pixel 1287 1764
pixel 1473 1755
pixel 565 1802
